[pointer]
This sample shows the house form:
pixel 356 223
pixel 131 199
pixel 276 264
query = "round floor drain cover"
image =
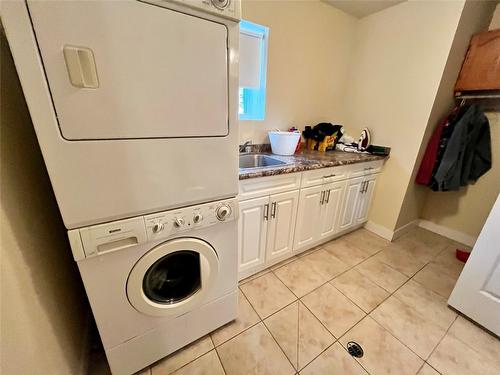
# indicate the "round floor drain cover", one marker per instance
pixel 354 349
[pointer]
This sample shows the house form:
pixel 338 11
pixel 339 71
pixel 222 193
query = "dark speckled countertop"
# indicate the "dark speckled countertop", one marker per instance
pixel 308 160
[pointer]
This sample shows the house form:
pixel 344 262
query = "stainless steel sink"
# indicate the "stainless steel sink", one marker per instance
pixel 260 161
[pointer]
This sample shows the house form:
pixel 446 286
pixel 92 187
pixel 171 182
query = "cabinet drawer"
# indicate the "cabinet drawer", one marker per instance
pixel 324 176
pixel 362 169
pixel 260 186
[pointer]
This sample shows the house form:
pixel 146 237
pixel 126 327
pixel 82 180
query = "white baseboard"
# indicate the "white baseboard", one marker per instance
pixel 379 230
pixel 452 234
pixel 405 228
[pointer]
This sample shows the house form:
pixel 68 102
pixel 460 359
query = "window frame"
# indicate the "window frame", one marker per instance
pixel 254 100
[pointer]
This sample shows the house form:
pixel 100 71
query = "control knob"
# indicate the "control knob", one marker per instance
pixel 197 218
pixel 221 4
pixel 158 227
pixel 223 212
pixel 178 222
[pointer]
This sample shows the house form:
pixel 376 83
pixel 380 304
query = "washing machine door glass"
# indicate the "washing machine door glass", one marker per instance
pixel 173 277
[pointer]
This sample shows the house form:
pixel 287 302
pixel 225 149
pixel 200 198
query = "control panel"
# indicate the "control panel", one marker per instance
pixel 118 235
pixel 224 8
pixel 168 223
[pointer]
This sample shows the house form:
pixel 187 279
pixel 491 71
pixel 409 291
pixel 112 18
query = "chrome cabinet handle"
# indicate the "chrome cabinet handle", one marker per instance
pixel 321 200
pixel 362 187
pixel 266 211
pixel 328 196
pixel 273 210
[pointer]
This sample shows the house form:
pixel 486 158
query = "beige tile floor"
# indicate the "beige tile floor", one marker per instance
pixel 297 317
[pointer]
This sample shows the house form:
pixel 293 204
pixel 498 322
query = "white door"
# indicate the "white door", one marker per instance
pixel 147 71
pixel 330 210
pixel 477 291
pixel 365 199
pixel 252 233
pixel 282 216
pixel 308 217
pixel 352 196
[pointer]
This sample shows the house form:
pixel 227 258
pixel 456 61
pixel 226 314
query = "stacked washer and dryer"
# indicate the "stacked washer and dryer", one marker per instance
pixel 134 104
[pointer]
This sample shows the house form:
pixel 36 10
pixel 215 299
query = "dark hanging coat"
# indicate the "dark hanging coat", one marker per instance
pixel 468 151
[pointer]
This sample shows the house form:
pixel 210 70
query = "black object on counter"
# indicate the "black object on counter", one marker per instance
pixel 378 150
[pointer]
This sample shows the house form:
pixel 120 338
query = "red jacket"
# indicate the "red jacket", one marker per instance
pixel 424 174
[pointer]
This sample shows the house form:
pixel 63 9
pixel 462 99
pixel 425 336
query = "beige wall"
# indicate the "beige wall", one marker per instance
pixel 475 17
pixel 466 210
pixel 43 305
pixel 309 55
pixel 395 72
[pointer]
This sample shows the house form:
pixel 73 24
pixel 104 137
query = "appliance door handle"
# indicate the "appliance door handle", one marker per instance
pixel 365 186
pixel 328 196
pixel 330 175
pixel 266 212
pixel 81 67
pixel 322 199
pixel 273 210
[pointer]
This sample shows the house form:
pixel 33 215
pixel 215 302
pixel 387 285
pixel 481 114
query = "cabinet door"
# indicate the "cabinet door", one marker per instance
pixel 144 89
pixel 351 202
pixel 366 198
pixel 480 69
pixel 308 217
pixel 252 232
pixel 282 216
pixel 330 210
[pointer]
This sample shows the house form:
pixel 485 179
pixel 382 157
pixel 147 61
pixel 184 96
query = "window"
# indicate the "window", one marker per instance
pixel 253 66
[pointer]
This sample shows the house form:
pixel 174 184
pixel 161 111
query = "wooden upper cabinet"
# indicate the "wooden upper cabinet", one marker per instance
pixel 481 67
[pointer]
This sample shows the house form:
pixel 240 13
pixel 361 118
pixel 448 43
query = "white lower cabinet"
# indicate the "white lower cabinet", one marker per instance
pixel 282 216
pixel 318 214
pixel 365 198
pixel 276 225
pixel 266 228
pixel 348 216
pixel 308 215
pixel 252 234
pixel 330 213
pixel 358 198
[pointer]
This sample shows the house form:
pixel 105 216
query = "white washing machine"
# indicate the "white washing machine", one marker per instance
pixel 134 103
pixel 161 281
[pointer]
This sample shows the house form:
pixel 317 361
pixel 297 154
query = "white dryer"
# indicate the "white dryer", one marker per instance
pixel 159 282
pixel 134 103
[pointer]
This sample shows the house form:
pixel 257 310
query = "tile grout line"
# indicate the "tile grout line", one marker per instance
pixel 411 278
pixel 279 346
pixel 220 360
pixel 385 329
pixel 216 353
pixel 299 299
pixel 298 334
pixel 442 338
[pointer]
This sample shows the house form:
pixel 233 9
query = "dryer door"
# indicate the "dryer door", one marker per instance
pixel 173 277
pixel 126 69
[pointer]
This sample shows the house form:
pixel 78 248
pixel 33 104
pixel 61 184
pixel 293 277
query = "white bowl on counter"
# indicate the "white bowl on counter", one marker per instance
pixel 283 143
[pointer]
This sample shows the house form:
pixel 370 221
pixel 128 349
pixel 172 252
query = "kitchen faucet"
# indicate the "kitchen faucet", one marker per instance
pixel 244 146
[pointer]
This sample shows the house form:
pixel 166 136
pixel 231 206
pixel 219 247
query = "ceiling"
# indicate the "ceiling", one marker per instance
pixel 362 8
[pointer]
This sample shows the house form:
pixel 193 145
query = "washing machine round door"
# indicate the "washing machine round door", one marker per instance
pixel 173 277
